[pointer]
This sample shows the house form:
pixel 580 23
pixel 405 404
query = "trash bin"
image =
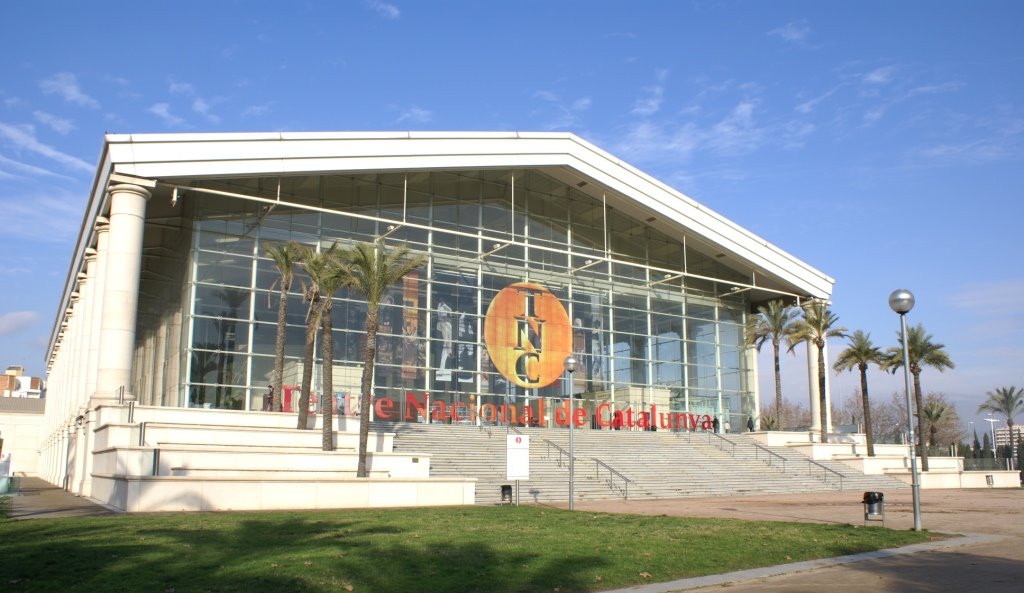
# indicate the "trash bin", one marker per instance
pixel 506 493
pixel 990 480
pixel 874 506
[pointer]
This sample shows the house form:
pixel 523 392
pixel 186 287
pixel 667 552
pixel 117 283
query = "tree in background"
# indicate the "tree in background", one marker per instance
pixel 1006 401
pixel 934 412
pixel 817 325
pixel 286 257
pixel 330 282
pixel 860 353
pixel 370 270
pixel 922 352
pixel 773 323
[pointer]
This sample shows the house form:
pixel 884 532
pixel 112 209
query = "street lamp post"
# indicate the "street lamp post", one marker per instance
pixel 570 367
pixel 902 301
pixel 992 423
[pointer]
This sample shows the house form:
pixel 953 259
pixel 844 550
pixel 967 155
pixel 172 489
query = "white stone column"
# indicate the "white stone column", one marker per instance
pixel 828 391
pixel 102 235
pixel 121 290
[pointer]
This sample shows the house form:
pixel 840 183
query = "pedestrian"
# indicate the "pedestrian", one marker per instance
pixel 726 427
pixel 714 424
pixel 750 424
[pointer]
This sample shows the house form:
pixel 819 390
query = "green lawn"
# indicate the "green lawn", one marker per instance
pixel 486 549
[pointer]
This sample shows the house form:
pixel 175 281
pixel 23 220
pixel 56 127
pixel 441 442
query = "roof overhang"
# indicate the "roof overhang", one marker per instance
pixel 167 157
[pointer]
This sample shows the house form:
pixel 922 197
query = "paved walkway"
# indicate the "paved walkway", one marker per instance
pixel 990 559
pixel 37 499
pixel 986 557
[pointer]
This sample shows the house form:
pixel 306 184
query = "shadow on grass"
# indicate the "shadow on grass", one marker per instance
pixel 273 552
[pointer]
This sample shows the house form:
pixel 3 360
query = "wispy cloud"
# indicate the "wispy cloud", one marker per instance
pixel 201 107
pixel 163 111
pixel 795 32
pixel 57 124
pixel 25 168
pixel 882 75
pixel 23 137
pixel 257 110
pixel 651 103
pixel 810 104
pixel 16 321
pixel 567 115
pixel 57 211
pixel 384 9
pixel 416 115
pixel 736 133
pixel 181 88
pixel 998 299
pixel 65 84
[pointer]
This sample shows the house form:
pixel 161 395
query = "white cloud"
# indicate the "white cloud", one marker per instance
pixel 415 115
pixel 879 75
pixel 736 133
pixel 257 110
pixel 810 104
pixel 16 321
pixel 650 104
pixel 25 168
pixel 1000 298
pixel 66 85
pixel 201 107
pixel 24 138
pixel 795 32
pixel 384 9
pixel 181 88
pixel 57 211
pixel 566 115
pixel 57 124
pixel 163 111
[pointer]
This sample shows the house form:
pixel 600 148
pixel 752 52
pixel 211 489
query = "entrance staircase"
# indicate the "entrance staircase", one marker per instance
pixel 625 464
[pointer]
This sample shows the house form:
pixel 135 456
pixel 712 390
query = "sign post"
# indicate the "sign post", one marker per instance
pixel 517 459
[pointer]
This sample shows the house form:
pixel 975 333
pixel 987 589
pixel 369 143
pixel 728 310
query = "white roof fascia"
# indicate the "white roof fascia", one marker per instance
pixel 163 156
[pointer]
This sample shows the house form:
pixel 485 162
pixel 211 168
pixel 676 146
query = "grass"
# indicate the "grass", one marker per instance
pixel 463 549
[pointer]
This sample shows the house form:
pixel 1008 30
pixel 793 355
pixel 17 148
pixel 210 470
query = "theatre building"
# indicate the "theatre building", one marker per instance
pixel 536 246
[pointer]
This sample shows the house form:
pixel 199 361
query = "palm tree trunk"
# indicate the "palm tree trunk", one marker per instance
pixel 867 409
pixel 307 371
pixel 823 407
pixel 778 386
pixel 922 451
pixel 327 405
pixel 282 315
pixel 366 386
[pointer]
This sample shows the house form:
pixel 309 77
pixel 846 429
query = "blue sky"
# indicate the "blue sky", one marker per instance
pixel 881 142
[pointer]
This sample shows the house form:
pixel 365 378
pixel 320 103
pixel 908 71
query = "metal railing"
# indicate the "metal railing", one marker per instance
pixel 561 452
pixel 762 453
pixel 724 444
pixel 825 472
pixel 612 474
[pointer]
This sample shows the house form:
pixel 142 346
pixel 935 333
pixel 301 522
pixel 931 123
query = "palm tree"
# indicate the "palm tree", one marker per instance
pixel 860 353
pixel 773 323
pixel 329 284
pixel 286 257
pixel 370 270
pixel 934 412
pixel 1008 401
pixel 317 266
pixel 921 352
pixel 817 325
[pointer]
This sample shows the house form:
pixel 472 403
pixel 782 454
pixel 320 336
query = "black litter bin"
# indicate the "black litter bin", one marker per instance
pixel 506 493
pixel 874 506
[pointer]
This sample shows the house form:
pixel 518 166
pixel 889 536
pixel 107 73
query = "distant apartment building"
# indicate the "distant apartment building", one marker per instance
pixel 14 383
pixel 1003 435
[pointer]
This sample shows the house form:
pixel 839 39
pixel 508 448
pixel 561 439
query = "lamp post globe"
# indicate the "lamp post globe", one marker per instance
pixel 570 363
pixel 901 301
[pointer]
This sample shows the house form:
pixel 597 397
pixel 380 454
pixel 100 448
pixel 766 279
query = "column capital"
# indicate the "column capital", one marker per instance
pixel 102 224
pixel 129 188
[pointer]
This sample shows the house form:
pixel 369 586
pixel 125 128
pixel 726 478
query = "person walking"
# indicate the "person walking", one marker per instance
pixel 750 424
pixel 714 424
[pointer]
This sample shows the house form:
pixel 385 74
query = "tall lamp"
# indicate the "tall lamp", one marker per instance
pixel 902 301
pixel 570 367
pixel 992 424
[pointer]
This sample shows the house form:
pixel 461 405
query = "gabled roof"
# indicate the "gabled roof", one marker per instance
pixel 167 157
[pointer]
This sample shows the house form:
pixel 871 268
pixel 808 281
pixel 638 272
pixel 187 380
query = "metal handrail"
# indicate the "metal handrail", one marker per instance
pixel 612 472
pixel 561 452
pixel 827 469
pixel 771 454
pixel 732 448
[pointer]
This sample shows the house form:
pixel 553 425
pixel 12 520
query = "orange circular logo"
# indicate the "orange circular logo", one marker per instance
pixel 527 334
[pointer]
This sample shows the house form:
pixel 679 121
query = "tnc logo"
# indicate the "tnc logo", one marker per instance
pixel 527 334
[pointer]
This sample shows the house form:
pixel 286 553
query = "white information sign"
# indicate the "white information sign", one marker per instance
pixel 517 454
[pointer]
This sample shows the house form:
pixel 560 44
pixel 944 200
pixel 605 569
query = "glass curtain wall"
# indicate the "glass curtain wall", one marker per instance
pixel 643 336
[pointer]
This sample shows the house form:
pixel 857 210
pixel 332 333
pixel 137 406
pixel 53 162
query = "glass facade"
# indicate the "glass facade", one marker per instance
pixel 654 322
